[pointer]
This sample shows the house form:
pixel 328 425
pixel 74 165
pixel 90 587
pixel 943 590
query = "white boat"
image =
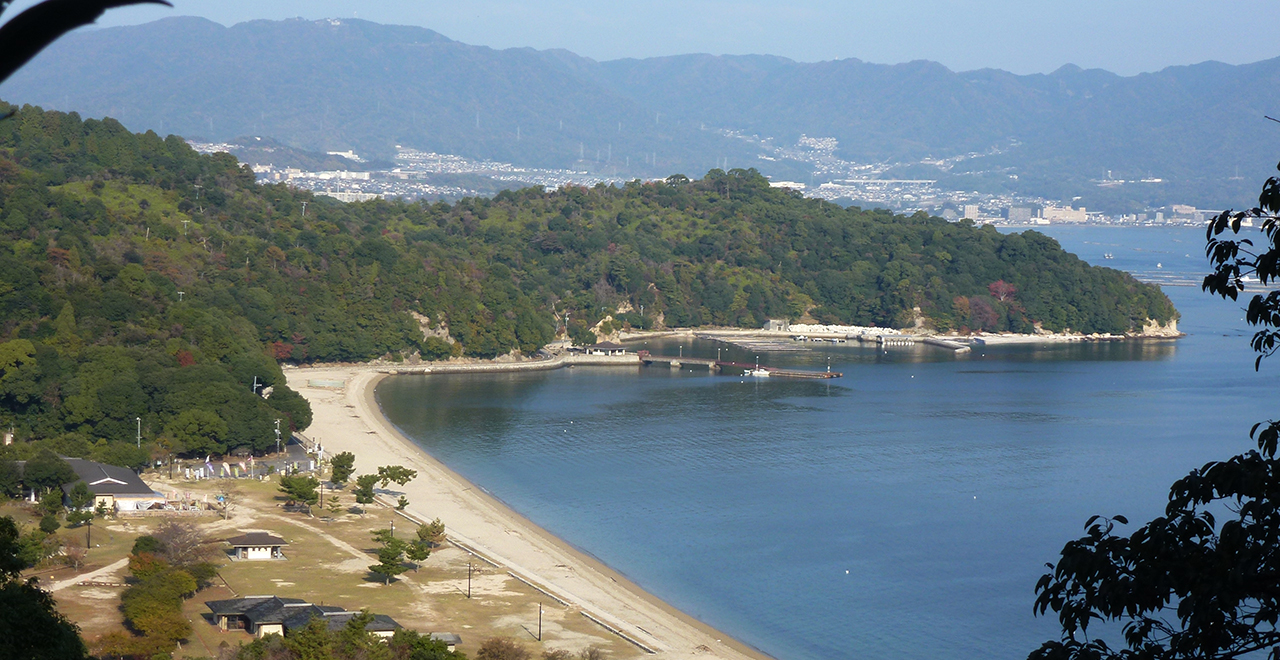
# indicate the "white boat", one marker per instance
pixel 758 372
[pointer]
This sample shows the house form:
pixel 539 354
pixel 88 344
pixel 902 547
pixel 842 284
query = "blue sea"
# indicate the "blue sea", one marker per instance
pixel 903 511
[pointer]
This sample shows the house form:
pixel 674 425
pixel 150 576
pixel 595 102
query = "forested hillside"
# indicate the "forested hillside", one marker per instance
pixel 139 279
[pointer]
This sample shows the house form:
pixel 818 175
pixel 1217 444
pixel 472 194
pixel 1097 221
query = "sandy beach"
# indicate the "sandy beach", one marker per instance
pixel 347 418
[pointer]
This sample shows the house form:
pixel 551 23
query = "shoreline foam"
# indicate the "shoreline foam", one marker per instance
pixel 350 419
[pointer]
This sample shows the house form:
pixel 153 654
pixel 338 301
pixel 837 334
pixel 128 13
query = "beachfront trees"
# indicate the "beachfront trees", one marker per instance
pixel 432 533
pixel 300 488
pixel 390 555
pixel 334 506
pixel 429 536
pixel 343 464
pixel 395 473
pixel 1203 580
pixel 364 488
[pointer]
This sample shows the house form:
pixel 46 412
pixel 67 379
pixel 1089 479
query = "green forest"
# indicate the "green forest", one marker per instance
pixel 147 289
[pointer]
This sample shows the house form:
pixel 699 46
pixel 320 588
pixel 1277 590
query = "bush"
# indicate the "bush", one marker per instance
pixel 502 648
pixel 49 524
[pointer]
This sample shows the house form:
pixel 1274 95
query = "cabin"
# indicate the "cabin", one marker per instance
pixel 256 546
pixel 272 615
pixel 605 348
pixel 114 487
pixel 257 615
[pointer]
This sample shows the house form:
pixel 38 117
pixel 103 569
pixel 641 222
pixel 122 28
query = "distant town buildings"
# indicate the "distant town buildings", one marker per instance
pixel 1063 214
pixel 428 175
pixel 1020 215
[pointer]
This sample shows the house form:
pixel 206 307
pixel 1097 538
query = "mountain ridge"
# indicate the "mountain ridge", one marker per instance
pixel 341 84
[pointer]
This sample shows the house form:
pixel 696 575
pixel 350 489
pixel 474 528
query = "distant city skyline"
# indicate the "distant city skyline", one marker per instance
pixel 1022 37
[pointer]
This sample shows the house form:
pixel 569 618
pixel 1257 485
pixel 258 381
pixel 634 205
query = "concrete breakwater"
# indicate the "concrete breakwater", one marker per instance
pixel 559 361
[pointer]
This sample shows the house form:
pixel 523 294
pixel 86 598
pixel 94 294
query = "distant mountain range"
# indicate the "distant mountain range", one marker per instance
pixel 350 84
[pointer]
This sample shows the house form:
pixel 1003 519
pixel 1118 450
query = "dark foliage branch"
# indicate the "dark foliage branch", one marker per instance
pixel 1234 260
pixel 31 31
pixel 1188 584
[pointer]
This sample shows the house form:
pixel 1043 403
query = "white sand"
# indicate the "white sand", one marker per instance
pixel 349 420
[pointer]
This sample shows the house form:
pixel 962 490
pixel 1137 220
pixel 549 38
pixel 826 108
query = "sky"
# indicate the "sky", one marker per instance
pixel 1022 36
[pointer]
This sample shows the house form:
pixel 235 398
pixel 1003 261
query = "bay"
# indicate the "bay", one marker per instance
pixel 905 510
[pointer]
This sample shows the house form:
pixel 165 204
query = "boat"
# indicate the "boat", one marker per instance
pixel 758 373
pixel 1108 255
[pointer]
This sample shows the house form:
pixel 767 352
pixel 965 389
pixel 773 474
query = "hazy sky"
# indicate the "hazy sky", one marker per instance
pixel 1023 36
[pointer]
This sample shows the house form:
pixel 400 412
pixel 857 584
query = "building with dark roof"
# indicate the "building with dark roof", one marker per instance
pixel 605 348
pixel 257 545
pixel 380 625
pixel 272 615
pixel 451 640
pixel 113 486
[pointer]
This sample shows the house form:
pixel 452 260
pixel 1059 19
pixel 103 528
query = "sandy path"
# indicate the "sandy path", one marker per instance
pixel 349 420
pixel 109 569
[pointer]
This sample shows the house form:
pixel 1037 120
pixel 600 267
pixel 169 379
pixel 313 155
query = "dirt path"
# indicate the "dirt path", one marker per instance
pixel 85 577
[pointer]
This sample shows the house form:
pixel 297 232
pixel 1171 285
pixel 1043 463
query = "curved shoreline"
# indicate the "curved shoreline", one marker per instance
pixel 350 419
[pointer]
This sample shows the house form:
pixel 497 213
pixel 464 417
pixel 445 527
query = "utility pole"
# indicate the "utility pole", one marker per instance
pixel 304 209
pixel 180 294
pixel 468 580
pixel 539 622
pixel 277 436
pixel 255 385
pixel 139 420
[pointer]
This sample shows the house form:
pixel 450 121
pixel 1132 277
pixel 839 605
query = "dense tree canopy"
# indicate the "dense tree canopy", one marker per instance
pixel 140 280
pixel 30 624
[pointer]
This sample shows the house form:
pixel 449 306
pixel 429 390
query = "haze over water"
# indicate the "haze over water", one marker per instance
pixel 903 511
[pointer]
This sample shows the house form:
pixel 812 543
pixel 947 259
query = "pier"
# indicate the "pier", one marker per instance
pixel 718 366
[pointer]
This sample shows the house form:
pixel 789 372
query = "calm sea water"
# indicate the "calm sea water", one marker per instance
pixel 903 511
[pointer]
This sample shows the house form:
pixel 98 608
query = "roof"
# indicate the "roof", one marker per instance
pixel 447 638
pixel 255 608
pixel 256 540
pixel 293 613
pixel 379 623
pixel 300 617
pixel 103 479
pixel 607 346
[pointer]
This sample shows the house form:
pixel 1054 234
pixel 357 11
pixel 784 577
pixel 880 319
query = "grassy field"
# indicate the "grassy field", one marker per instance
pixel 327 563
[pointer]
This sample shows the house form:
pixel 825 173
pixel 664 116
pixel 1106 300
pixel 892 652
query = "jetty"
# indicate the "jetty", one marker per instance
pixel 718 366
pixel 947 344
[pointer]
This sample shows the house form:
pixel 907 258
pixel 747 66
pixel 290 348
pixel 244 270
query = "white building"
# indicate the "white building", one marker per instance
pixel 257 546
